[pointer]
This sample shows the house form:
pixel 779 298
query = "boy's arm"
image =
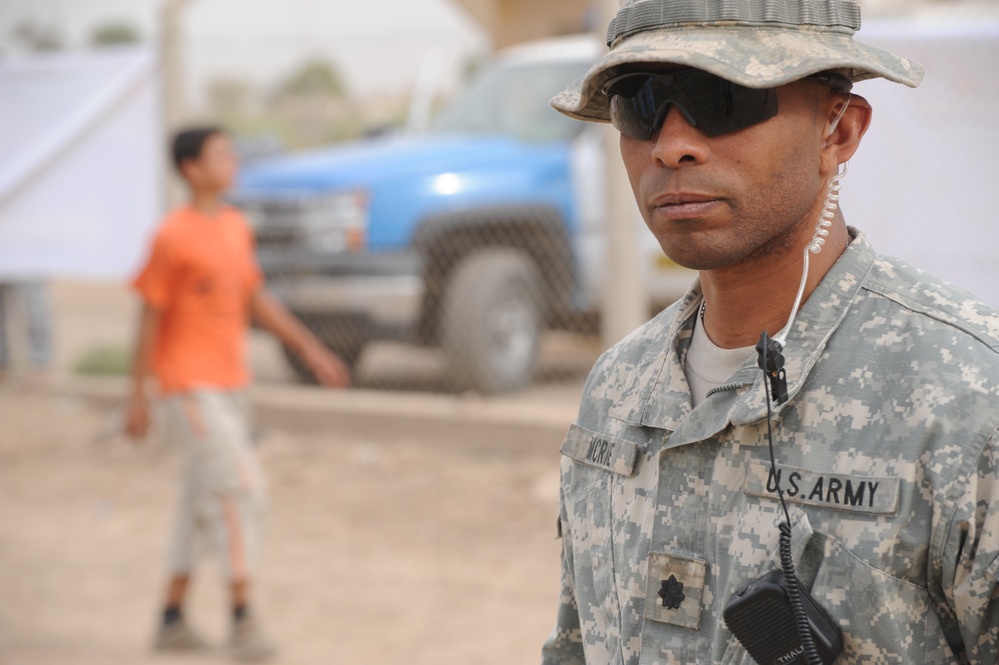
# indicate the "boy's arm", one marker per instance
pixel 328 368
pixel 137 418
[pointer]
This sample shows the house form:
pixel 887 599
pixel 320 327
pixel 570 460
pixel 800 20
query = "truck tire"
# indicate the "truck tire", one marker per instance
pixel 304 375
pixel 492 320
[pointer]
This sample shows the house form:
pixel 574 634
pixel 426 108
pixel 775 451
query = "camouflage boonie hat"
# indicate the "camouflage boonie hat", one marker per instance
pixel 755 43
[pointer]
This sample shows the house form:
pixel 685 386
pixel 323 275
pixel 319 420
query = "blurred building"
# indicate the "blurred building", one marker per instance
pixel 511 21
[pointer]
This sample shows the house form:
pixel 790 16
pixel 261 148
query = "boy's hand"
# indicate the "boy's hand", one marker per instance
pixel 328 368
pixel 137 418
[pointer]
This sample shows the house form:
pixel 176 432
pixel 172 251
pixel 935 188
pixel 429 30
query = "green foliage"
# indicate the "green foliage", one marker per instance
pixel 228 94
pixel 472 65
pixel 315 78
pixel 105 360
pixel 38 37
pixel 309 107
pixel 114 34
pixel 292 132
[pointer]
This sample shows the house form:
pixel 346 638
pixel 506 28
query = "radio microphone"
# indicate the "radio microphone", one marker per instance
pixel 761 617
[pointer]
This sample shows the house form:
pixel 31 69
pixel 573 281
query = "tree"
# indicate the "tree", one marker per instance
pixel 228 95
pixel 315 78
pixel 39 37
pixel 114 34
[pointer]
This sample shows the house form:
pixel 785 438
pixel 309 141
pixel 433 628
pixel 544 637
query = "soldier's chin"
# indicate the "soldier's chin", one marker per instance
pixel 698 259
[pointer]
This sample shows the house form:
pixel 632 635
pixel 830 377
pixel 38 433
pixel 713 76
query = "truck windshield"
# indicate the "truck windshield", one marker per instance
pixel 513 101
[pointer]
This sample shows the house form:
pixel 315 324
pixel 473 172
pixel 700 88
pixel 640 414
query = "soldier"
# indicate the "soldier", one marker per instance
pixel 736 121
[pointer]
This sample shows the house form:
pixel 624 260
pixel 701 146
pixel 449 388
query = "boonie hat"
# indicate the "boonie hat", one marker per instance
pixel 755 43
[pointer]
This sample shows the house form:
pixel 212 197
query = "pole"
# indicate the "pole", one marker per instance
pixel 172 103
pixel 625 296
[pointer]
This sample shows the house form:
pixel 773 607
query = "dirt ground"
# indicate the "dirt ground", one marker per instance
pixel 394 538
pixel 396 541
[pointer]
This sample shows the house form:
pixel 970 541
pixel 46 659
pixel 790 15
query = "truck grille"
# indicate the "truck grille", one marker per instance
pixel 275 223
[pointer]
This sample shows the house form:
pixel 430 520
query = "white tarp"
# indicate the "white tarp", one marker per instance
pixel 922 182
pixel 81 165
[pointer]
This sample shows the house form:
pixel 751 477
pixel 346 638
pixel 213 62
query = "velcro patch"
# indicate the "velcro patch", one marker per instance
pixel 600 450
pixel 825 489
pixel 675 589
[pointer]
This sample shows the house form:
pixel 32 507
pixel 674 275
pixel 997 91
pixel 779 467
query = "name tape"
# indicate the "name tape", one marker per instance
pixel 600 450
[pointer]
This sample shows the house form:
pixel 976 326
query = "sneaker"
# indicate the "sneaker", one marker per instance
pixel 178 636
pixel 249 642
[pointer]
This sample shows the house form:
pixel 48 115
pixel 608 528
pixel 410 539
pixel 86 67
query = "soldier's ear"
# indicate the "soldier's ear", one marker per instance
pixel 847 118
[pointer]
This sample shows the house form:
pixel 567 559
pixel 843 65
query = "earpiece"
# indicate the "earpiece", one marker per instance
pixel 839 116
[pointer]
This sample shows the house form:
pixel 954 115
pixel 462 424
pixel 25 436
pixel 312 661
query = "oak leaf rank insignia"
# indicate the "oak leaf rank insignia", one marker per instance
pixel 672 593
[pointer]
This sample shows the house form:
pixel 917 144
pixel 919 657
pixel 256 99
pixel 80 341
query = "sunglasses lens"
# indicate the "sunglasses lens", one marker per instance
pixel 639 102
pixel 633 107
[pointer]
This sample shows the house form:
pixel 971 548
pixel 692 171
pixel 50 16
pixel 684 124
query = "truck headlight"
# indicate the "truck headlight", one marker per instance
pixel 337 223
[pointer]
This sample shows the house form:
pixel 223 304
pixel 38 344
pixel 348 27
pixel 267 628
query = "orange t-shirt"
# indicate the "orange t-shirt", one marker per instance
pixel 200 274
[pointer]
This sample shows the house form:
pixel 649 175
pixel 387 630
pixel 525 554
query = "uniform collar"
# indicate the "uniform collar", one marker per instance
pixel 657 395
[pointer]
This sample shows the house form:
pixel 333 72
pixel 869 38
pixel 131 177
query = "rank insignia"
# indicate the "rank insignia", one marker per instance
pixel 671 593
pixel 669 600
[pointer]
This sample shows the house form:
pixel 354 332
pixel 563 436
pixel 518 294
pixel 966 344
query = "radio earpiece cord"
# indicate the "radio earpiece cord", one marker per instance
pixel 745 622
pixel 767 363
pixel 814 247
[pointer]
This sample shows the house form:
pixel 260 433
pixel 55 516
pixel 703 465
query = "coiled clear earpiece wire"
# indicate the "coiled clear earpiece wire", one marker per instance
pixel 815 245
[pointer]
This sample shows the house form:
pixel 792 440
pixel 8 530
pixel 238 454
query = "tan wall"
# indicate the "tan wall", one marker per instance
pixel 512 21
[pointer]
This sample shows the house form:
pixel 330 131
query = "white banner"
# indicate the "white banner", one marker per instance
pixel 81 165
pixel 921 184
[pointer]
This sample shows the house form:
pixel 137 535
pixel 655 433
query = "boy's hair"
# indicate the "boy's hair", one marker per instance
pixel 187 143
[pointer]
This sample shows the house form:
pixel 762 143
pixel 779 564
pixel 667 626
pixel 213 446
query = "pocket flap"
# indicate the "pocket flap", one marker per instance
pixel 675 589
pixel 600 450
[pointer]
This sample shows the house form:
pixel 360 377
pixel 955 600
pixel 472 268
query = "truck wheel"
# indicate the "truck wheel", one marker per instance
pixel 349 356
pixel 492 319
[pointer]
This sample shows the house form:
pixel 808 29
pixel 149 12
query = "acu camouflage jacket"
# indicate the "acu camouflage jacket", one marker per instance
pixel 887 451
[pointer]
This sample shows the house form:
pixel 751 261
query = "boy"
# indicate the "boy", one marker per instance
pixel 198 287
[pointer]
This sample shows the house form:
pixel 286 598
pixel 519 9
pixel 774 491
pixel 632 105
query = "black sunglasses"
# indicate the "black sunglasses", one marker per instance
pixel 639 102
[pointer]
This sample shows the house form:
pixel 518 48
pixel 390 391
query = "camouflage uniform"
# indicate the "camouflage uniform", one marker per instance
pixel 887 450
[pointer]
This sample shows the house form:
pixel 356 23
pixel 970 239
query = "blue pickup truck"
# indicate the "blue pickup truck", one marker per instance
pixel 475 236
